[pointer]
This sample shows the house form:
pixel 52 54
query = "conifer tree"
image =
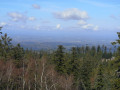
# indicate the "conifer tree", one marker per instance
pixel 87 49
pixel 116 83
pixel 100 82
pixel 59 60
pixel 98 49
pixel 93 51
pixel 18 52
pixel 6 45
pixel 74 62
pixel 86 72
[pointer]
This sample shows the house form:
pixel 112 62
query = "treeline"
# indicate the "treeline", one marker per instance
pixel 83 63
pixel 80 68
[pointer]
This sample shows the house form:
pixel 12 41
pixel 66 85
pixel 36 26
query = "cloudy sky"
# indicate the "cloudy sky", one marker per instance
pixel 60 15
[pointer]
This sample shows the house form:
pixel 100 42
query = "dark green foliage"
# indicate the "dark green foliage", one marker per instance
pixel 74 62
pixel 5 46
pixel 100 82
pixel 81 63
pixel 98 49
pixel 116 84
pixel 93 51
pixel 18 52
pixel 7 50
pixel 18 55
pixel 59 59
pixel 86 70
pixel 87 49
pixel 116 81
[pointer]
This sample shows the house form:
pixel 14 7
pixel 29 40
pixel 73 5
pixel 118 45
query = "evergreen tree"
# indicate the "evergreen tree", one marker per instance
pixel 104 52
pixel 93 51
pixel 98 48
pixel 74 62
pixel 83 49
pixel 87 49
pixel 100 82
pixel 6 45
pixel 59 60
pixel 18 52
pixel 116 82
pixel 86 70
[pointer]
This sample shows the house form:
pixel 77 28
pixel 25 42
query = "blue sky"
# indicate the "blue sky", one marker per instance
pixel 60 15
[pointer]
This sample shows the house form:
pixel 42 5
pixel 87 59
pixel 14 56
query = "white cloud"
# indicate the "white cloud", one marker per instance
pixel 15 16
pixel 3 24
pixel 95 28
pixel 90 27
pixel 87 26
pixel 20 17
pixel 36 6
pixel 31 18
pixel 42 27
pixel 82 22
pixel 72 14
pixel 76 14
pixel 58 26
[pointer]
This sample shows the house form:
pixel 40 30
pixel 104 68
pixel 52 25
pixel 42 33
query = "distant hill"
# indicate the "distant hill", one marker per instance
pixel 53 45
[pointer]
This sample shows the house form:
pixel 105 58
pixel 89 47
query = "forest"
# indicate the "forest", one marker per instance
pixel 80 68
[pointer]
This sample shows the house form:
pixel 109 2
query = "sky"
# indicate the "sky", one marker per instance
pixel 70 18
